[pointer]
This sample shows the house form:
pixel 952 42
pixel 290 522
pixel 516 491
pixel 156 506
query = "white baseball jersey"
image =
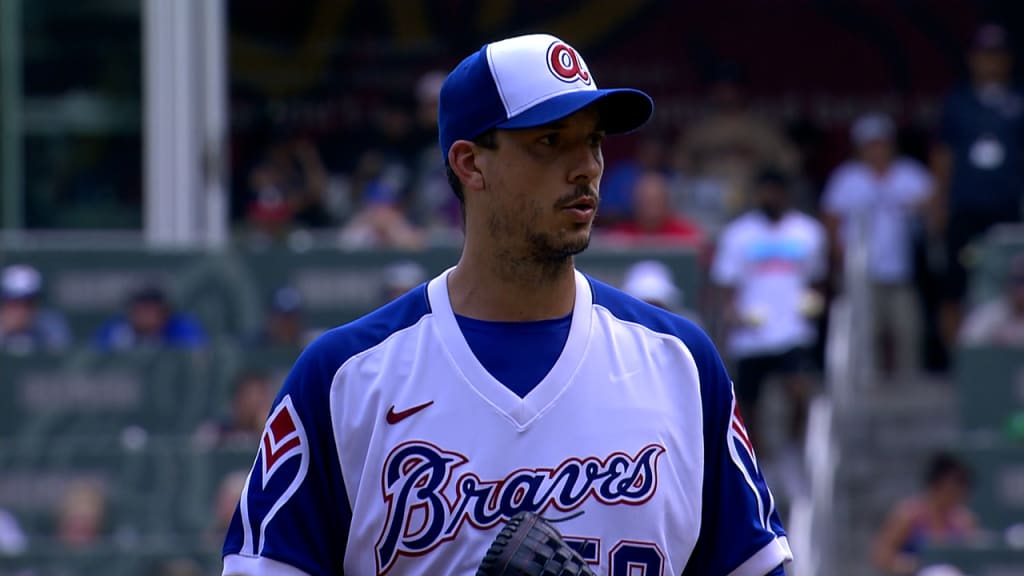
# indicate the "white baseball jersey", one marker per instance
pixel 392 450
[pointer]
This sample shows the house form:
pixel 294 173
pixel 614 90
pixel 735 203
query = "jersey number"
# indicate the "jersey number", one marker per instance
pixel 626 558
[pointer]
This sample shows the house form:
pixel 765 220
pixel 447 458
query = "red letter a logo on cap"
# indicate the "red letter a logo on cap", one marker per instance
pixel 566 64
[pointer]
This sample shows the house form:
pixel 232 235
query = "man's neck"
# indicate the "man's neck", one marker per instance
pixel 510 290
pixel 879 168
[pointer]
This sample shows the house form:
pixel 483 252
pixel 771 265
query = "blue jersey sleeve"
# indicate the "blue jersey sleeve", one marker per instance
pixel 294 514
pixel 741 533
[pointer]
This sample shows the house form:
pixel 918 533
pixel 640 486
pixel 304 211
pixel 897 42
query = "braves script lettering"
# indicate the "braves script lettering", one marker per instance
pixel 423 513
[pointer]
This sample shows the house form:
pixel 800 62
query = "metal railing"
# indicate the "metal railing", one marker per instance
pixel 849 367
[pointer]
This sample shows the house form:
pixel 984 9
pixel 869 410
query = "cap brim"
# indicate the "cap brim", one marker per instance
pixel 622 109
pixel 19 297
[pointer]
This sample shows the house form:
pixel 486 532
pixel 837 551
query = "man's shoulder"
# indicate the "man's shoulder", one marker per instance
pixel 907 166
pixel 851 168
pixel 658 323
pixel 339 344
pixel 627 309
pixel 850 180
pixel 744 224
pixel 803 221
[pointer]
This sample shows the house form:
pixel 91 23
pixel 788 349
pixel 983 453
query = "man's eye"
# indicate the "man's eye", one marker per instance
pixel 549 139
pixel 596 139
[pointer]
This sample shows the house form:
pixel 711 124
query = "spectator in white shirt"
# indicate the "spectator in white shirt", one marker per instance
pixel 1000 321
pixel 885 195
pixel 767 266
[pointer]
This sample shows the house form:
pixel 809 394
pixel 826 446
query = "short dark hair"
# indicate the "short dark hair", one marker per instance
pixel 487 140
pixel 944 465
pixel 148 293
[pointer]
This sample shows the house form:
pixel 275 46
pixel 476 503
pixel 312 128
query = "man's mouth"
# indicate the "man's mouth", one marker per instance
pixel 586 203
pixel 582 209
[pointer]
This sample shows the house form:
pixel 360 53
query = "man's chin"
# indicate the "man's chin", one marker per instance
pixel 579 246
pixel 569 249
pixel 557 249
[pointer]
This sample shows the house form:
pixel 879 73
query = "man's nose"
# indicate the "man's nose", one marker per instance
pixel 588 164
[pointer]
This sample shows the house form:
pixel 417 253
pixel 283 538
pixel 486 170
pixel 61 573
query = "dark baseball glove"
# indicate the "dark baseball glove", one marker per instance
pixel 529 545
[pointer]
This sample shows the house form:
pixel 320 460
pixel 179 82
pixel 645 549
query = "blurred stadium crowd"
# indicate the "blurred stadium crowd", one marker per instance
pixel 130 425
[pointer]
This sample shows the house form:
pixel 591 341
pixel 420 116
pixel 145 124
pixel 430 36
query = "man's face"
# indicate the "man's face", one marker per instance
pixel 726 96
pixel 952 490
pixel 285 328
pixel 651 202
pixel 148 317
pixel 16 314
pixel 990 66
pixel 772 199
pixel 541 188
pixel 877 153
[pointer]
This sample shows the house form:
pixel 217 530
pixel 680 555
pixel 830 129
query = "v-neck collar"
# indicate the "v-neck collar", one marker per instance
pixel 521 411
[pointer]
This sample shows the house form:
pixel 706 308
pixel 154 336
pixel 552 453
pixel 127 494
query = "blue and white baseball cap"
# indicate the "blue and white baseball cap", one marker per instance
pixel 529 81
pixel 20 282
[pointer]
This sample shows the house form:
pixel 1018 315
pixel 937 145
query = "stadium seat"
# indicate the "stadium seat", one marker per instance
pixel 990 388
pixel 998 483
pixel 993 558
pixel 992 261
pixel 97 394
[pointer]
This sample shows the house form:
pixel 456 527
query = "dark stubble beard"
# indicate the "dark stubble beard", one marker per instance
pixel 545 254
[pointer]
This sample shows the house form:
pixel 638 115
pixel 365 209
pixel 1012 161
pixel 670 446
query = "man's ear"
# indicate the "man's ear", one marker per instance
pixel 463 160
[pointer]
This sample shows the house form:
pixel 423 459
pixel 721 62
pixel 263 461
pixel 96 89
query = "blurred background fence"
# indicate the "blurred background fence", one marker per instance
pixel 229 291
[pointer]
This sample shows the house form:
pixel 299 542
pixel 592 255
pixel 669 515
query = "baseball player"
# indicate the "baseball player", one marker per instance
pixel 401 443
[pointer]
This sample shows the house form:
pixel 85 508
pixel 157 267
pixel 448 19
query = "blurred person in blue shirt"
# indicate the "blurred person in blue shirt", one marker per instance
pixel 285 326
pixel 150 321
pixel 26 327
pixel 979 162
pixel 620 178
